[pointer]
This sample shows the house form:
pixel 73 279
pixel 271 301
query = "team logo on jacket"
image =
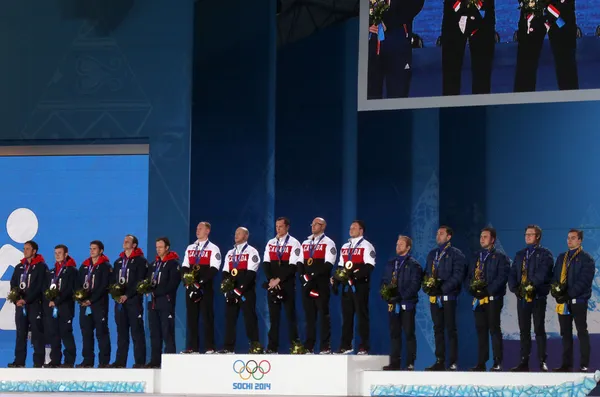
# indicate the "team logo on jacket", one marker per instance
pixel 250 374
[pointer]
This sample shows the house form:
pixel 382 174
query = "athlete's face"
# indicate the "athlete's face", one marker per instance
pixel 442 236
pixel 530 236
pixel 161 248
pixel 241 235
pixel 281 228
pixel 28 251
pixel 485 239
pixel 573 240
pixel 95 251
pixel 317 226
pixel 202 231
pixel 60 255
pixel 355 230
pixel 128 243
pixel 401 247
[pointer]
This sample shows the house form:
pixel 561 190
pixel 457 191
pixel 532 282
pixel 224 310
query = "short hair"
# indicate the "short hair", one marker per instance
pixel 208 226
pixel 286 221
pixel 134 240
pixel 361 224
pixel 164 240
pixel 98 243
pixel 406 239
pixel 579 233
pixel 537 229
pixel 33 245
pixel 62 247
pixel 491 230
pixel 448 230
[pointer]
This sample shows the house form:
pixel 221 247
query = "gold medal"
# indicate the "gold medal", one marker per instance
pixel 196 267
pixel 234 272
pixel 309 261
pixel 348 265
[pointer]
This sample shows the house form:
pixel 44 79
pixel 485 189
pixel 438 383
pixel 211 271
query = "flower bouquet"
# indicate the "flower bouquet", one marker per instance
pixel 535 7
pixel 558 290
pixel 255 348
pixel 191 277
pixel 144 286
pixel 227 285
pixel 14 295
pixel 388 291
pixel 376 10
pixel 81 295
pixel 527 291
pixel 477 287
pixel 341 275
pixel 116 291
pixel 298 348
pixel 51 294
pixel 431 284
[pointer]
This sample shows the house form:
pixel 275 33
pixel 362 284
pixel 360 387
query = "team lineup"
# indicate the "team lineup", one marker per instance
pixel 45 298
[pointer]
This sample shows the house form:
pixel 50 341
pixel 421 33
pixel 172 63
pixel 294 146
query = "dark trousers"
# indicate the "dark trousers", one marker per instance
pixel 444 321
pixel 563 42
pixel 289 306
pixel 392 66
pixel 59 330
pixel 130 315
pixel 482 42
pixel 579 316
pixel 355 303
pixel 97 321
pixel 312 308
pixel 487 324
pixel 193 310
pixel 525 311
pixel 32 318
pixel 402 322
pixel 248 308
pixel 161 318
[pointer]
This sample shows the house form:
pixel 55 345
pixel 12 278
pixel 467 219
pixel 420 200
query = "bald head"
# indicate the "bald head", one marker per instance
pixel 318 226
pixel 241 235
pixel 202 231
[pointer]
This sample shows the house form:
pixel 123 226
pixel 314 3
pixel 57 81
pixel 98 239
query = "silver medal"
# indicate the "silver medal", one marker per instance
pixel 53 286
pixel 122 280
pixel 86 285
pixel 23 285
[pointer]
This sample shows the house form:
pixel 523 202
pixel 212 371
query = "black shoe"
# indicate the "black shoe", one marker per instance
pixel 271 351
pixel 453 367
pixel 437 366
pixel 66 365
pixel 188 351
pixel 15 365
pixel 107 366
pixel 583 368
pixel 410 367
pixel 50 365
pixel 84 365
pixel 563 368
pixel 522 367
pixel 392 367
pixel 38 365
pixel 478 368
pixel 497 367
pixel 225 351
pixel 139 365
pixel 543 367
pixel 114 365
pixel 152 366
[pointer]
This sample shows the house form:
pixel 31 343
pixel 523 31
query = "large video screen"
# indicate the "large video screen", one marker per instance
pixel 69 200
pixel 423 53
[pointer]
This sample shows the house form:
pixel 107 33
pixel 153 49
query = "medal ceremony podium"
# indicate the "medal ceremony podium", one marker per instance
pixel 290 375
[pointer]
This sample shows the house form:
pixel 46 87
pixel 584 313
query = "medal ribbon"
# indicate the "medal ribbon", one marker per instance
pixel 434 266
pixel 235 257
pixel 397 268
pixel 479 268
pixel 198 254
pixel 123 271
pixel 57 274
pixel 313 245
pixel 351 249
pixel 25 273
pixel 281 249
pixel 563 308
pixel 157 270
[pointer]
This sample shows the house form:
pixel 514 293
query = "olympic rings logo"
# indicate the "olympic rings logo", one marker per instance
pixel 251 369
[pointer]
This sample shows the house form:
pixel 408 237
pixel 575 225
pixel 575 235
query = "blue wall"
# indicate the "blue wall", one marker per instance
pixel 68 82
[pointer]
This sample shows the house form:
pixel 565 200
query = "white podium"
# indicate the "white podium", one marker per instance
pixel 291 375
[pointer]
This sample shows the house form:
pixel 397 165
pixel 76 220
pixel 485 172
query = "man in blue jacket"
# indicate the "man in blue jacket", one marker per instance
pixel 487 277
pixel 446 264
pixel 405 273
pixel 390 50
pixel 532 268
pixel 572 288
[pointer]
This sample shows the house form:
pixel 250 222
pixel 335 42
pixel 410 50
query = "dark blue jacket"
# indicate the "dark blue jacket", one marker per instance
pixel 137 267
pixel 35 280
pixel 580 275
pixel 99 281
pixel 167 278
pixel 451 270
pixel 495 271
pixel 539 271
pixel 400 16
pixel 409 278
